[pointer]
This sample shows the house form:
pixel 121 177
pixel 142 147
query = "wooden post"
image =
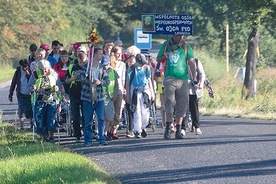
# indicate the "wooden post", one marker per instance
pixel 227 48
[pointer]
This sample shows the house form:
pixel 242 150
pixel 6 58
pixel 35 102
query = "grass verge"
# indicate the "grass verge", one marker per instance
pixel 6 73
pixel 25 161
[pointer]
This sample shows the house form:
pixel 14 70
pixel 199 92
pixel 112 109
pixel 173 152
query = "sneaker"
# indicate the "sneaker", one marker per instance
pixel 183 132
pixel 129 134
pixel 87 144
pixel 78 139
pixel 21 128
pixel 167 134
pixel 137 135
pixel 178 135
pixel 103 144
pixel 198 131
pixel 144 133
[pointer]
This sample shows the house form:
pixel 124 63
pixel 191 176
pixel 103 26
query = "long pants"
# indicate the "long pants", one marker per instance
pixel 141 115
pixel 88 111
pixel 117 109
pixel 77 113
pixel 193 107
pixel 45 116
pixel 130 117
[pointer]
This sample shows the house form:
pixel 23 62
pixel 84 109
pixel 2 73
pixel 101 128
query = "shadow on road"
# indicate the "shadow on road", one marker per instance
pixel 201 173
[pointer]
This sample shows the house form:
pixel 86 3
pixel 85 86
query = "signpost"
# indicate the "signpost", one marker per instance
pixel 142 40
pixel 167 24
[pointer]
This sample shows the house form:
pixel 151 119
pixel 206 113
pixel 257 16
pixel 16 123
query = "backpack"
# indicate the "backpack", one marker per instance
pixel 185 47
pixel 133 73
pixel 157 72
pixel 207 83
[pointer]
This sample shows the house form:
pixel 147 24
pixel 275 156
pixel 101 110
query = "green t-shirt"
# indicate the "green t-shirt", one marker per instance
pixel 176 64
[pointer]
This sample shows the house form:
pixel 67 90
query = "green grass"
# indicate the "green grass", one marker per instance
pixel 229 101
pixel 25 161
pixel 7 72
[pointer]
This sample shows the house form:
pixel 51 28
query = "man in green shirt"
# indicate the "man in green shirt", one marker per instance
pixel 178 58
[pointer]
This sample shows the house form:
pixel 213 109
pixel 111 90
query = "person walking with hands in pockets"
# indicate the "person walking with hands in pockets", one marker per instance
pixel 179 61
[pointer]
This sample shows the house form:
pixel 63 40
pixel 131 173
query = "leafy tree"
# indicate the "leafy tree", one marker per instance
pixel 258 10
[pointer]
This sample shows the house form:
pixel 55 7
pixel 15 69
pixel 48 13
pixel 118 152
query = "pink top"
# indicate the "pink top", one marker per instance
pixel 61 71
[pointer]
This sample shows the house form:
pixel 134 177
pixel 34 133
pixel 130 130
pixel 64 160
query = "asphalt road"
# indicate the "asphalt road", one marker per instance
pixel 231 150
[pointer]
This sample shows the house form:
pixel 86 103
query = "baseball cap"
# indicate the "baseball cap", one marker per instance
pixel 76 46
pixel 141 59
pixel 45 46
pixel 82 49
pixel 118 43
pixel 105 60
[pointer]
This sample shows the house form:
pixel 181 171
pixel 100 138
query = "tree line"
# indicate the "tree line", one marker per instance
pixel 35 21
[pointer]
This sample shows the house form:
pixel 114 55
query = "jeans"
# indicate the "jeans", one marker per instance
pixel 88 111
pixel 45 116
pixel 77 113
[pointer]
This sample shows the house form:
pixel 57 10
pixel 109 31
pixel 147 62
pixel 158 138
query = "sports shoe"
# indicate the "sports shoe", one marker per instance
pixel 87 144
pixel 183 132
pixel 103 144
pixel 178 135
pixel 198 131
pixel 137 135
pixel 144 133
pixel 129 134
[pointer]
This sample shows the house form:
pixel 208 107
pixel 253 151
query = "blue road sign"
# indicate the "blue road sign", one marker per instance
pixel 167 24
pixel 142 40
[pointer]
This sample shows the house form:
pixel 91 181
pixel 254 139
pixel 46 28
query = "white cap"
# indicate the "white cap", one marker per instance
pixel 82 49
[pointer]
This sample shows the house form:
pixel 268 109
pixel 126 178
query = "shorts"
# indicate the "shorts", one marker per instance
pixel 176 96
pixel 25 106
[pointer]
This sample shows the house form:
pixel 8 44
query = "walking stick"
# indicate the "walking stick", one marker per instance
pixel 33 99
